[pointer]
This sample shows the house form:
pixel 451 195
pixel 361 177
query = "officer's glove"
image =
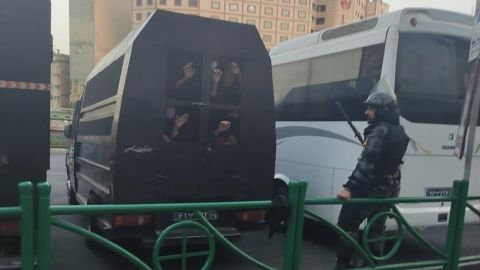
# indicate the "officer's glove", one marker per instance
pixel 278 214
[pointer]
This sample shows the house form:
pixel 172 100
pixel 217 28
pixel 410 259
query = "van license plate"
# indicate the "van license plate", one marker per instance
pixel 209 215
pixel 438 192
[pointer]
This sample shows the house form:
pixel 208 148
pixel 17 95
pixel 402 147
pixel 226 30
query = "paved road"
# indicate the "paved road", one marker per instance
pixel 69 251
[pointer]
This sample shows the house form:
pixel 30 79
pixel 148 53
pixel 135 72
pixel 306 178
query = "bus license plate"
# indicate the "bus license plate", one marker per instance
pixel 209 215
pixel 438 192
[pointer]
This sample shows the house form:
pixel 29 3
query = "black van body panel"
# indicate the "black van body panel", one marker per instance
pixel 26 54
pixel 131 163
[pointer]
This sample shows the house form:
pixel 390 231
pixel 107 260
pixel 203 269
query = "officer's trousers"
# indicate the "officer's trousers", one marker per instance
pixel 350 218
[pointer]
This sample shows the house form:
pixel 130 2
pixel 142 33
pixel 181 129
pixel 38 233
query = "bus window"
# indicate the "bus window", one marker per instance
pixel 181 124
pixel 430 77
pixel 224 127
pixel 290 77
pixel 347 77
pixel 184 75
pixel 227 80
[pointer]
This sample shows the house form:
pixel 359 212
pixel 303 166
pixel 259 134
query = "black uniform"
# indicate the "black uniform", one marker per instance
pixel 377 174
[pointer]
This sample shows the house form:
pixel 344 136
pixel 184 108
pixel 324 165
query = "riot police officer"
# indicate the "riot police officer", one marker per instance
pixel 377 173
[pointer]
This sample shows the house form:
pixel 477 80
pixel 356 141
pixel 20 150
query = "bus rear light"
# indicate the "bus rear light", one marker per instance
pixel 131 220
pixel 9 227
pixel 251 216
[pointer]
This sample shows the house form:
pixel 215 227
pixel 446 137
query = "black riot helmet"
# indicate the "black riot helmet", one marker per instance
pixel 383 99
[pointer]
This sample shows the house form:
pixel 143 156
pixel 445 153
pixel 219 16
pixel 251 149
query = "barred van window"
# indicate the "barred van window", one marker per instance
pixel 100 88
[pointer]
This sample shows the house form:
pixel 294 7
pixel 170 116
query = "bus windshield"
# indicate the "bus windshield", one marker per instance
pixel 431 77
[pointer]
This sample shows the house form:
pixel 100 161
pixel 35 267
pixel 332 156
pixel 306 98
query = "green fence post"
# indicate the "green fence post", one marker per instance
pixel 299 225
pixel 43 237
pixel 289 247
pixel 455 224
pixel 26 234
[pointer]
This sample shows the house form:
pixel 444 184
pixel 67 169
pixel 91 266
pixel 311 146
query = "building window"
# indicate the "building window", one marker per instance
pixel 139 3
pixel 320 21
pixel 192 3
pixel 215 5
pixel 267 24
pixel 283 38
pixel 302 2
pixel 148 14
pixel 284 26
pixel 251 9
pixel 178 2
pixel 285 12
pixel 302 14
pixel 139 16
pixel 322 8
pixel 232 19
pixel 252 22
pixel 150 2
pixel 301 27
pixel 233 7
pixel 286 1
pixel 268 11
pixel 162 2
pixel 267 38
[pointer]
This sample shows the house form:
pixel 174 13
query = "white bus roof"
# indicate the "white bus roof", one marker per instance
pixel 374 24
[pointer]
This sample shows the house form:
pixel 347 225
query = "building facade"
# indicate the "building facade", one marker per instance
pixel 331 13
pixel 60 81
pixel 276 20
pixel 376 7
pixel 96 26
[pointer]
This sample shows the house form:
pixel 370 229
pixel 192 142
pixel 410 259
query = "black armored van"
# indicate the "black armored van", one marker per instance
pixel 25 57
pixel 180 111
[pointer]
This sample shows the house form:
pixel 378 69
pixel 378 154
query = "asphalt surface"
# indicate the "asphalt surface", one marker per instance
pixel 70 251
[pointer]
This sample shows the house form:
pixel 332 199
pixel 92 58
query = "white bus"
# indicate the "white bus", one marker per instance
pixel 423 53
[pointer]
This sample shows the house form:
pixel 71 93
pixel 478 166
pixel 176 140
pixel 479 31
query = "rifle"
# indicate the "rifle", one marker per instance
pixel 349 121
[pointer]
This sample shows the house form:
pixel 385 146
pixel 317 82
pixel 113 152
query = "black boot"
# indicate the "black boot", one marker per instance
pixel 345 253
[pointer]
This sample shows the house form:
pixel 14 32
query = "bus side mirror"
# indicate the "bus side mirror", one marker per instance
pixel 67 131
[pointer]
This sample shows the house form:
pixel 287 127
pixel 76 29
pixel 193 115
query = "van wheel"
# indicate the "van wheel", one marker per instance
pixel 91 224
pixel 91 227
pixel 72 200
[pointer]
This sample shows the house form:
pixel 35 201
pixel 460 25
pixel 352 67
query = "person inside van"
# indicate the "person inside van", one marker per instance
pixel 226 131
pixel 227 83
pixel 187 86
pixel 177 127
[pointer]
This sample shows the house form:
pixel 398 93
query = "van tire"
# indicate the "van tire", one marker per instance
pixel 91 225
pixel 72 200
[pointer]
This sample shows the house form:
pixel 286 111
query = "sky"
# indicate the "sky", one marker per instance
pixel 60 21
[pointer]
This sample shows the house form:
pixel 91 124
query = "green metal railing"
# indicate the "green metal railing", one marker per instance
pixel 24 212
pixel 36 232
pixel 449 257
pixel 48 213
